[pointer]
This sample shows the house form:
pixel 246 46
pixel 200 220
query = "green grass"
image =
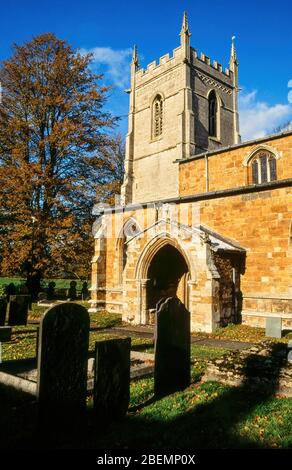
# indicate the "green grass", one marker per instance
pixel 23 341
pixel 209 416
pixel 7 280
pixel 244 333
pixel 36 312
pixel 141 391
pixel 204 416
pixel 60 283
pixel 136 343
pixel 105 319
pixel 21 346
pixel 199 357
pixel 101 319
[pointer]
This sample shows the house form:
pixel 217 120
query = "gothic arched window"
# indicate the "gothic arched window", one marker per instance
pixel 263 167
pixel 157 116
pixel 213 108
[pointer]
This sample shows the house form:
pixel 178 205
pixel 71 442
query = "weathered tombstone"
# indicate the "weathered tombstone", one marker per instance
pixel 5 333
pixel 112 379
pixel 72 291
pixel 3 308
pixel 10 290
pixel 274 327
pixel 84 291
pixel 62 366
pixel 51 290
pixel 18 309
pixel 172 347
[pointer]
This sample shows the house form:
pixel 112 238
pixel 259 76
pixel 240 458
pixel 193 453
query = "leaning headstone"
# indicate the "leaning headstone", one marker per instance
pixel 3 308
pixel 62 366
pixel 18 309
pixel 274 327
pixel 172 347
pixel 112 379
pixel 5 333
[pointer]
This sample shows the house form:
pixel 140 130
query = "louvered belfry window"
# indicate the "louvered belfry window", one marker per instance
pixel 212 114
pixel 157 116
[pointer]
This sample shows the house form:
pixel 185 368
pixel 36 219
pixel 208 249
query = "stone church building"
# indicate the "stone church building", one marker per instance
pixel 202 214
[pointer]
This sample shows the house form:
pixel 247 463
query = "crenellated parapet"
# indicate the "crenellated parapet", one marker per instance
pixel 154 69
pixel 215 69
pixel 167 62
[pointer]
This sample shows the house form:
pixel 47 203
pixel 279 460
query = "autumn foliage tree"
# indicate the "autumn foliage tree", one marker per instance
pixel 56 154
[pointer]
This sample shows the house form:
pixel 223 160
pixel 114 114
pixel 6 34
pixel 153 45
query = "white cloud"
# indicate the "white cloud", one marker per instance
pixel 258 118
pixel 116 61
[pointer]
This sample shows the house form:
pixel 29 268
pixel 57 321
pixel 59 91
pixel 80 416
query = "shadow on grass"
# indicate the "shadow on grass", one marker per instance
pixel 17 416
pixel 182 421
pixel 204 416
pixel 149 401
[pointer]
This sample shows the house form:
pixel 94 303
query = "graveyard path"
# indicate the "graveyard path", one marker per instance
pixel 148 332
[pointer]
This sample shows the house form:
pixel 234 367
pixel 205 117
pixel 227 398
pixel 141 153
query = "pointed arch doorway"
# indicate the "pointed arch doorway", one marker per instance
pixel 167 275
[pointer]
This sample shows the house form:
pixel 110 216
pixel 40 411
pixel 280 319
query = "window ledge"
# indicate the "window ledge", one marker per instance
pixel 215 139
pixel 156 139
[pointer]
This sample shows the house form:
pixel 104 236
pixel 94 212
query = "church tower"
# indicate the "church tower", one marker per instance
pixel 181 107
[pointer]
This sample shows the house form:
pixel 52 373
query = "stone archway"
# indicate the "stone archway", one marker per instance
pixel 162 271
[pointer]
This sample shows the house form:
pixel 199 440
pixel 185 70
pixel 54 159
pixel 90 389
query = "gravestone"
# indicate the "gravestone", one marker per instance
pixel 51 290
pixel 84 291
pixel 274 327
pixel 18 309
pixel 3 308
pixel 10 290
pixel 112 379
pixel 5 333
pixel 62 366
pixel 172 347
pixel 72 291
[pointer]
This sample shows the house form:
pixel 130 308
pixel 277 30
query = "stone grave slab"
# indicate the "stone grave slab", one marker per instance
pixel 5 333
pixel 62 364
pixel 274 327
pixel 112 378
pixel 3 308
pixel 172 347
pixel 18 309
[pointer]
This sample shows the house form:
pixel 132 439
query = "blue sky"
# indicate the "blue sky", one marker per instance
pixel 110 28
